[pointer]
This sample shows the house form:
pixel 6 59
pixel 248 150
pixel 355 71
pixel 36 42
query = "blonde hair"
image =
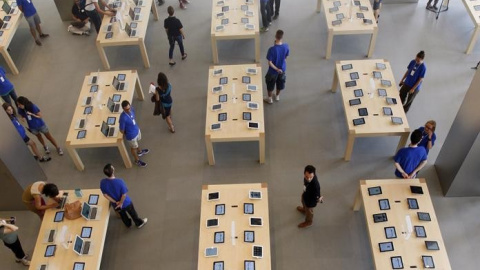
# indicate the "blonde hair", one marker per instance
pixel 433 123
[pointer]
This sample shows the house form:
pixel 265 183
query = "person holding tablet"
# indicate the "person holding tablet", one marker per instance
pixel 162 94
pixel 36 195
pixel 9 236
pixel 428 135
pixel 412 80
pixel 410 160
pixel 310 196
pixel 115 191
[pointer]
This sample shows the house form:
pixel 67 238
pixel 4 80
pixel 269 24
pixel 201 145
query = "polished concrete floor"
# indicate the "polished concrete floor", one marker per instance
pixel 306 127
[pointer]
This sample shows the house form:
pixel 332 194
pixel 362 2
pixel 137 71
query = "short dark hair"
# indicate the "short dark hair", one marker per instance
pixel 125 103
pixel 421 54
pixel 416 136
pixel 108 170
pixel 50 190
pixel 170 10
pixel 279 34
pixel 309 169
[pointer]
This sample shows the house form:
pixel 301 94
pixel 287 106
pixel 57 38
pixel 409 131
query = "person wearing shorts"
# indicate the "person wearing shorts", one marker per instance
pixel 31 15
pixel 131 132
pixel 162 94
pixel 36 125
pixel 377 5
pixel 277 66
pixel 21 130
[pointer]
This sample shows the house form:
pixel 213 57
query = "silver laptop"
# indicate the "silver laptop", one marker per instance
pixel 82 247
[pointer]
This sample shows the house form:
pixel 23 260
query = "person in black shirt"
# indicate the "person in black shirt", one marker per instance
pixel 174 29
pixel 81 22
pixel 310 196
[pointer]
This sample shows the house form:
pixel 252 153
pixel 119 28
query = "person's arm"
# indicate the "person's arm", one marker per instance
pixel 120 203
pixel 39 206
pixel 430 141
pixel 97 7
pixel 318 194
pixel 9 228
pixel 183 33
pixel 416 85
pixel 419 167
pixel 157 95
pixel 403 78
pixel 110 199
pixel 279 70
pixel 400 169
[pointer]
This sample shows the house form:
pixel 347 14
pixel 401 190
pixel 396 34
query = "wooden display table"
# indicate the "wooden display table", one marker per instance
pixel 120 37
pixel 235 28
pixel 65 257
pixel 234 129
pixel 407 245
pixel 376 123
pixel 94 137
pixel 475 15
pixel 234 251
pixel 7 36
pixel 353 26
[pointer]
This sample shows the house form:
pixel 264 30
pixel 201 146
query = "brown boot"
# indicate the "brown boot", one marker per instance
pixel 305 224
pixel 300 209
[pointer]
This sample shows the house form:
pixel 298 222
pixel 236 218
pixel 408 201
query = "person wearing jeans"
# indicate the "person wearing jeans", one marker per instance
pixel 412 80
pixel 8 234
pixel 277 8
pixel 115 191
pixel 174 29
pixel 266 12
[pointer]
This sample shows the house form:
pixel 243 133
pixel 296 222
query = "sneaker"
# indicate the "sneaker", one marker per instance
pixel 24 260
pixel 141 163
pixel 145 220
pixel 143 152
pixel 45 159
pixel 275 17
pixel 264 29
pixel 47 151
pixel 268 100
pixel 60 151
pixel 277 98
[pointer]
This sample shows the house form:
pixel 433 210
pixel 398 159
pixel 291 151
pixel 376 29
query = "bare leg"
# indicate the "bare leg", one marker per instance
pixel 170 123
pixel 34 148
pixel 40 138
pixel 51 139
pixel 134 153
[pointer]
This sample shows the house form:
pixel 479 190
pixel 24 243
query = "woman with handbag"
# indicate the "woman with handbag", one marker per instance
pixel 162 94
pixel 35 197
pixel 9 236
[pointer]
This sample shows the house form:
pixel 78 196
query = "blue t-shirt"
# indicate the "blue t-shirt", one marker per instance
pixel 418 71
pixel 19 127
pixel 277 55
pixel 165 98
pixel 409 158
pixel 424 141
pixel 27 6
pixel 5 85
pixel 33 122
pixel 128 125
pixel 115 188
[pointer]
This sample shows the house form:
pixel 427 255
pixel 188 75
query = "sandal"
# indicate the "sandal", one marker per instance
pixel 44 35
pixel 184 56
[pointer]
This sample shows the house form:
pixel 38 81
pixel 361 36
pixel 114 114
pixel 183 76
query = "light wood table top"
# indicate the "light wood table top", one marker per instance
pixel 235 28
pixel 475 16
pixel 410 247
pixel 65 257
pixel 94 137
pixel 350 23
pixel 7 36
pixel 233 223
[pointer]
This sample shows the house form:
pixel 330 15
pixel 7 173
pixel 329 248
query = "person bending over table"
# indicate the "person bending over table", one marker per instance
pixel 9 236
pixel 428 135
pixel 36 195
pixel 92 9
pixel 412 80
pixel 81 22
pixel 31 15
pixel 21 130
pixel 410 160
pixel 115 191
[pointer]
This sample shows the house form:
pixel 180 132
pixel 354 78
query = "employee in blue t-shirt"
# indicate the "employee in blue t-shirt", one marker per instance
pixel 115 191
pixel 428 135
pixel 31 15
pixel 131 132
pixel 412 80
pixel 410 160
pixel 277 67
pixel 7 90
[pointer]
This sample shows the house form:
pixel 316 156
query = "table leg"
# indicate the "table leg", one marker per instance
pixel 335 81
pixel 329 44
pixel 261 146
pixel 319 6
pixel 257 47
pixel 75 157
pixel 358 200
pixel 154 11
pixel 9 61
pixel 214 50
pixel 138 89
pixel 473 40
pixel 349 149
pixel 103 56
pixel 209 145
pixel 403 141
pixel 143 51
pixel 373 40
pixel 124 153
